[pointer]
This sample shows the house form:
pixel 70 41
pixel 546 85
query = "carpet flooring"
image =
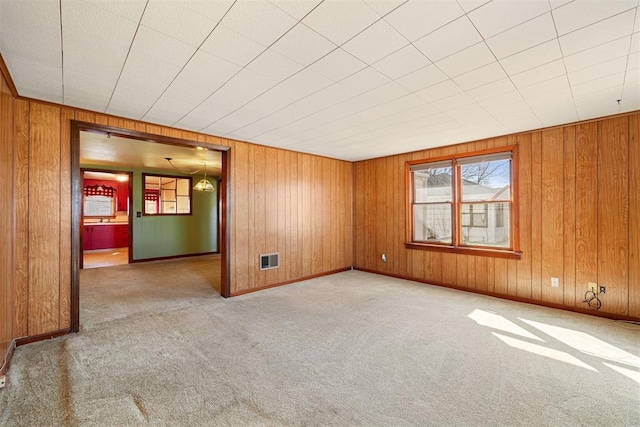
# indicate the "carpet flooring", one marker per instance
pixel 350 349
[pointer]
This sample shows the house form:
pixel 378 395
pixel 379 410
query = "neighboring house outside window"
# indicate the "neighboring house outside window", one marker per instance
pixel 464 203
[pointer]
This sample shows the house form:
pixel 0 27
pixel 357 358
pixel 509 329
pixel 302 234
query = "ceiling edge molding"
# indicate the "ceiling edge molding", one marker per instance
pixel 7 77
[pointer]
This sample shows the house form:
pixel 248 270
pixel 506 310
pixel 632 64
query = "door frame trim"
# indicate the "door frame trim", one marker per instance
pixel 76 202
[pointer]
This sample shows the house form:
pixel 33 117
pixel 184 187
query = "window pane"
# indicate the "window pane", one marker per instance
pixel 486 181
pixel 433 185
pixel 432 223
pixel 485 224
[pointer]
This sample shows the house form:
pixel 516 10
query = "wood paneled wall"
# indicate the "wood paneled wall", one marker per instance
pixel 579 193
pixel 7 222
pixel 295 204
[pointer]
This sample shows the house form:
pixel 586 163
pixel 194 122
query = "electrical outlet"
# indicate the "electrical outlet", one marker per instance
pixel 384 257
pixel 593 287
pixel 555 282
pixel 603 289
pixel 3 381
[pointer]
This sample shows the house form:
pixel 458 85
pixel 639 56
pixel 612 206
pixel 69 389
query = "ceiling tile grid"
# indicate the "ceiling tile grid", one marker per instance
pixel 351 79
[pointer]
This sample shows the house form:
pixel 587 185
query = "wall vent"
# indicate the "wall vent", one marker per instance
pixel 268 261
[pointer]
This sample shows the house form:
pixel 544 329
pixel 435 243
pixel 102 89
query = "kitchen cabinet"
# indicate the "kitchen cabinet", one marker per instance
pixel 105 236
pixel 122 196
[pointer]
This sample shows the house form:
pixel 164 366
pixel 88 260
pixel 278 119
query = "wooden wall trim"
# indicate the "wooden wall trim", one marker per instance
pixel 288 282
pixel 507 297
pixel 7 358
pixel 7 77
pixel 41 337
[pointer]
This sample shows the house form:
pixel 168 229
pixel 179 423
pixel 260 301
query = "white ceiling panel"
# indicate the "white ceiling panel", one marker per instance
pixel 422 78
pixel 453 37
pixel 532 33
pixel 402 62
pixel 580 13
pixel 466 60
pixel 480 76
pixel 340 21
pixel 417 18
pixel 232 46
pixel 259 20
pixel 374 43
pixel 531 58
pixel 303 45
pixel 490 20
pixel 598 33
pixel 337 65
pixel 345 78
pixel 597 55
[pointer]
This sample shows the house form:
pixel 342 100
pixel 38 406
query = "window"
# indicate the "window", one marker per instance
pixel 464 204
pixel 166 195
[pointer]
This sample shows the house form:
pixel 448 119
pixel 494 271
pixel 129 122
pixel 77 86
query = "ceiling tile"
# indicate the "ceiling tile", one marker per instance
pixel 545 91
pixel 152 44
pixel 614 66
pixel 382 7
pixel 580 13
pixel 539 74
pixel 531 58
pixel 596 55
pixel 455 101
pixel 417 18
pixel 453 37
pixel 228 44
pixel 177 21
pixel 439 91
pixel 303 45
pixel 480 76
pixel 500 15
pixel 364 80
pixel 529 34
pixel 296 8
pixel 611 81
pixel 466 60
pixel 422 78
pixel 260 21
pixel 557 3
pixel 374 43
pixel 340 21
pixel 307 82
pixel 402 62
pixel 599 33
pixel 493 89
pixel 337 65
pixel 559 112
pixel 469 5
pixel 635 42
pixel 507 103
pixel 274 66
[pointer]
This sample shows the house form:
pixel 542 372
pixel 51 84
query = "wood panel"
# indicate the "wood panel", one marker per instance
pixel 613 213
pixel 7 224
pixel 67 114
pixel 569 216
pixel 552 215
pixel 44 221
pixel 634 216
pixel 536 215
pixel 586 209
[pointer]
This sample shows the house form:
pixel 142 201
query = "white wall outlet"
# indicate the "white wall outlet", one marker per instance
pixel 384 257
pixel 555 282
pixel 3 381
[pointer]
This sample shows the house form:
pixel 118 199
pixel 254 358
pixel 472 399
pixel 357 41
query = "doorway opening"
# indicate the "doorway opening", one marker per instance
pixel 145 159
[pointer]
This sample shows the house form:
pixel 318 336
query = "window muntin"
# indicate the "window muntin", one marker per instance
pixel 166 195
pixel 464 202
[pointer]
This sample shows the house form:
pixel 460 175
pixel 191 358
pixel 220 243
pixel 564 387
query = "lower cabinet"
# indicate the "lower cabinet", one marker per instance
pixel 105 236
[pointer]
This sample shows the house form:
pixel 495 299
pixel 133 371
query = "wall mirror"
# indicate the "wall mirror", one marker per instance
pixel 166 195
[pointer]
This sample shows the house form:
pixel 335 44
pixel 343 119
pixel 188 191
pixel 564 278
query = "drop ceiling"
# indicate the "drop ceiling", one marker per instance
pixel 347 79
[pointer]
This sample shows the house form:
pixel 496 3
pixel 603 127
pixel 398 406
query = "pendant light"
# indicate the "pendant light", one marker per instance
pixel 204 184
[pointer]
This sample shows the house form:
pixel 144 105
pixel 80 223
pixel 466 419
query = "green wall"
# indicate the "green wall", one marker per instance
pixel 172 235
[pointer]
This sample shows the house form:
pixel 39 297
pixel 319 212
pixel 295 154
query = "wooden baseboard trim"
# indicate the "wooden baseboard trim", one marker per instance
pixel 7 358
pixel 509 297
pixel 164 258
pixel 42 337
pixel 288 282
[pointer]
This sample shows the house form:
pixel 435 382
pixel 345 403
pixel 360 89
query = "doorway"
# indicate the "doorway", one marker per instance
pixel 133 213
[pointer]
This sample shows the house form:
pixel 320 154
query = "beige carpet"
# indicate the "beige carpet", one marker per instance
pixel 351 349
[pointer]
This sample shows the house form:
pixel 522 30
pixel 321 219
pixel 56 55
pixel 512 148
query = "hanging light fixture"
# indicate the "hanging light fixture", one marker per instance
pixel 204 184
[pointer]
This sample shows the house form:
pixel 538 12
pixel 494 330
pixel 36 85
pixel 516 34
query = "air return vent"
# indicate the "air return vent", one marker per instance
pixel 269 261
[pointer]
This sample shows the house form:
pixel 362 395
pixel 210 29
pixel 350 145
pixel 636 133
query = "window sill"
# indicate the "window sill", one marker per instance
pixel 496 253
